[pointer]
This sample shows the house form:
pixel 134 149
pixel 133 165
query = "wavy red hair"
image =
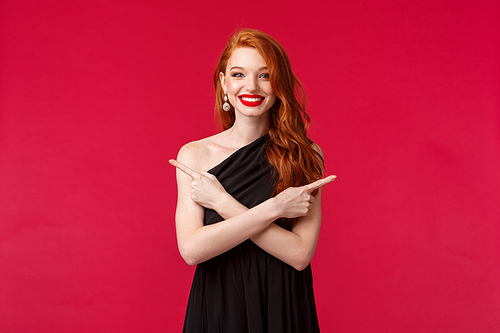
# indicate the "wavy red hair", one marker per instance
pixel 291 153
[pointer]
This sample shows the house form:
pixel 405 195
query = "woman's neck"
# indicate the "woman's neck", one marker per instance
pixel 248 129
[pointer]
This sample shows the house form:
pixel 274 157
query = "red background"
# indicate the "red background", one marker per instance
pixel 96 96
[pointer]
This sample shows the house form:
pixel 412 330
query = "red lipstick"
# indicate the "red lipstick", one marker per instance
pixel 251 100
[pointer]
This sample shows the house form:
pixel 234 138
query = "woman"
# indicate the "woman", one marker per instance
pixel 252 275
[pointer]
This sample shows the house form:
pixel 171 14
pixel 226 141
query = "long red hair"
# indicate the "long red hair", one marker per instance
pixel 288 150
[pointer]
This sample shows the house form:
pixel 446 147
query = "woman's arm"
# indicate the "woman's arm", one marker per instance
pixel 296 247
pixel 198 243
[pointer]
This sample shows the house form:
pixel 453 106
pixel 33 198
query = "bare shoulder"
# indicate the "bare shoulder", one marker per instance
pixel 193 154
pixel 200 155
pixel 189 154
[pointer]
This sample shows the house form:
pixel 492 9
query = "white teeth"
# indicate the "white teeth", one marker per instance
pixel 246 99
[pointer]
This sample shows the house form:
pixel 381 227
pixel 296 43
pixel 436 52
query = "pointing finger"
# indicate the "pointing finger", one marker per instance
pixel 184 168
pixel 319 183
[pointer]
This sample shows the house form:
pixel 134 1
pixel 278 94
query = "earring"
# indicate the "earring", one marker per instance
pixel 226 105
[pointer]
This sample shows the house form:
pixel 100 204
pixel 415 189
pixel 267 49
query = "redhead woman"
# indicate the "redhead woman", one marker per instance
pixel 249 202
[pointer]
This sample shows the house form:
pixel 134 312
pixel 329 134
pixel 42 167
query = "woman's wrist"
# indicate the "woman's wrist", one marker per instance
pixel 275 208
pixel 228 207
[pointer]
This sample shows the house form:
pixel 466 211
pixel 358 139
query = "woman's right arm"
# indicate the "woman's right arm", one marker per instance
pixel 198 243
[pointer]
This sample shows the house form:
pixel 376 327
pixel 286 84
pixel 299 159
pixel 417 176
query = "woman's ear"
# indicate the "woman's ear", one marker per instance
pixel 222 79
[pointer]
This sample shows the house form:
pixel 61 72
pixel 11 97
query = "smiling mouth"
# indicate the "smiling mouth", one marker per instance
pixel 251 100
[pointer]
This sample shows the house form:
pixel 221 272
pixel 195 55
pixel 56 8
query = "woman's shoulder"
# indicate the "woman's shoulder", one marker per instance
pixel 198 154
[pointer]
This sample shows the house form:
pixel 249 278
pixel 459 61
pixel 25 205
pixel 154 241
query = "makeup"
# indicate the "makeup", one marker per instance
pixel 251 100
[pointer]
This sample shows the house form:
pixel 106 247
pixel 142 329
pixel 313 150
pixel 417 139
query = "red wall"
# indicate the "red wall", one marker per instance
pixel 96 96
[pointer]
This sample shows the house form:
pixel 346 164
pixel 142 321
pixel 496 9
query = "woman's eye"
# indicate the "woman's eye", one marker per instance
pixel 265 76
pixel 237 75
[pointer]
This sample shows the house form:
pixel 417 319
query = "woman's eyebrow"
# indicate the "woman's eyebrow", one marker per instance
pixel 239 67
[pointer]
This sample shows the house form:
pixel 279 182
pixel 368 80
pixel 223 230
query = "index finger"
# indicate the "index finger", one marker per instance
pixel 184 168
pixel 319 183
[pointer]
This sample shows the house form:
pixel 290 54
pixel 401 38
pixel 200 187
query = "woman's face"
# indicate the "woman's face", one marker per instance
pixel 247 84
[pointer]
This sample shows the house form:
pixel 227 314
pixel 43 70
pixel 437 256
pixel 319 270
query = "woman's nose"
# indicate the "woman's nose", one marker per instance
pixel 251 84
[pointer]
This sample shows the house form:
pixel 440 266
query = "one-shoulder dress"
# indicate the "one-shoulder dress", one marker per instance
pixel 247 290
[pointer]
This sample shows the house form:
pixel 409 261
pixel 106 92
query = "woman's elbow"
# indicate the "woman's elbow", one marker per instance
pixel 189 255
pixel 300 266
pixel 303 260
pixel 190 261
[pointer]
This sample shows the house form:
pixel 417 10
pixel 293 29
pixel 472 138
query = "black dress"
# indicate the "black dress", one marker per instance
pixel 247 290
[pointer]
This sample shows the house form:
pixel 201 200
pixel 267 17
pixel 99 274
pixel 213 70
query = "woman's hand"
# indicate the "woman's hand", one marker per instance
pixel 296 202
pixel 199 242
pixel 206 189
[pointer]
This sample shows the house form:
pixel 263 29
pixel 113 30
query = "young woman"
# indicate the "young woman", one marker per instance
pixel 249 210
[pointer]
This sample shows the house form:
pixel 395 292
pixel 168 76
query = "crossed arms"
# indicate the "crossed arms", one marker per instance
pixel 198 243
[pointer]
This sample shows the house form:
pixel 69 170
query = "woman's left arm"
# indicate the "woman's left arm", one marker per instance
pixel 296 247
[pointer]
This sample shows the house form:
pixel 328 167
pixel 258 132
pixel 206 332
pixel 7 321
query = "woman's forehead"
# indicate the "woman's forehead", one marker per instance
pixel 246 57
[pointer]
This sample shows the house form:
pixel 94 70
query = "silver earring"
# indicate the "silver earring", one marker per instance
pixel 226 105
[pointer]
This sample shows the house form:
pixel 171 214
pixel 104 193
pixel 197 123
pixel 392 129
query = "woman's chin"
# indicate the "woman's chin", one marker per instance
pixel 251 111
